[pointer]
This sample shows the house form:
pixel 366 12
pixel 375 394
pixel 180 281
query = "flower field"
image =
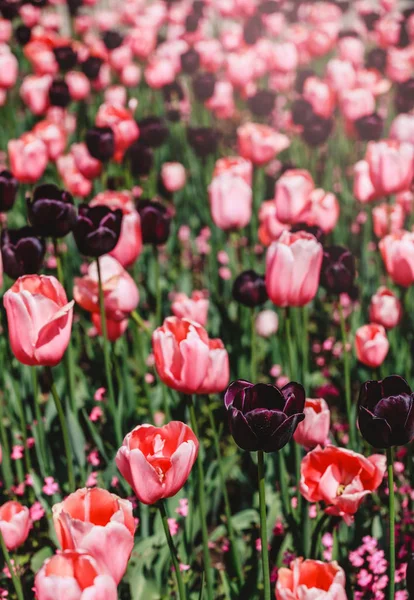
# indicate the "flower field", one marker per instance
pixel 206 322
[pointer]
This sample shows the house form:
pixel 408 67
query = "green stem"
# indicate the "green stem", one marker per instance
pixel 263 524
pixel 5 463
pixel 173 551
pixel 23 431
pixel 140 322
pixel 107 359
pixel 390 467
pixel 317 533
pixel 253 346
pixel 227 509
pixel 289 343
pixel 347 375
pixel 298 463
pixel 16 581
pixel 157 275
pixel 64 427
pixel 39 419
pixel 202 504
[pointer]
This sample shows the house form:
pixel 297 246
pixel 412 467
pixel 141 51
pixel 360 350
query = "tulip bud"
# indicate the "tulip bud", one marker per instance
pixel 112 39
pixel 263 417
pixel 338 270
pixel 14 524
pixel 153 131
pixel 155 222
pixel 371 345
pixel 249 289
pixel 386 412
pixel 21 251
pixel 66 57
pixel 100 142
pixel 8 190
pixel 59 94
pixel 97 229
pixel 51 211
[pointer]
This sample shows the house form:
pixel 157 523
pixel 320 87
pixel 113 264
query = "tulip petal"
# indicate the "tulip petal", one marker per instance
pixel 283 433
pixel 144 478
pixel 295 398
pixel 243 435
pixel 376 431
pixel 263 396
pixel 182 462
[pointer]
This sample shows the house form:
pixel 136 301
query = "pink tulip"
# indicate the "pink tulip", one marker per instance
pixel 320 96
pixel 292 194
pixel 340 75
pixel 28 158
pixel 78 84
pixel 260 143
pixel 364 190
pixel 402 128
pixel 222 102
pixel 397 251
pixel 88 166
pixel 293 265
pixel 237 165
pixel 121 294
pixel 39 318
pixel 322 211
pixel 231 201
pixel 351 49
pixel 356 103
pixel 391 166
pixel 5 30
pixel 131 75
pixel 53 135
pixel 101 524
pixel 116 94
pixel 173 176
pixel 186 359
pixel 371 345
pixel 129 245
pixel 311 580
pixel 270 227
pixel 114 329
pixel 14 524
pixel 156 461
pixel 73 575
pixel 73 179
pixel 385 308
pixel 123 125
pixel 314 430
pixel 194 308
pixel 9 69
pixel 267 323
pixel 387 219
pixel 159 72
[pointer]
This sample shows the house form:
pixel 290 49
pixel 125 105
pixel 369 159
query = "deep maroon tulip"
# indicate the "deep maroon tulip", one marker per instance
pixel 386 412
pixel 140 158
pixel 155 222
pixel 190 61
pixel 22 252
pixel 404 97
pixel 66 57
pixel 369 127
pixel 268 7
pixel 203 140
pixel 9 9
pixel 22 34
pixel 370 19
pixel 91 67
pixel 301 77
pixel 249 289
pixel 173 92
pixel 376 59
pixel 153 131
pixel 97 229
pixel 100 142
pixel 51 211
pixel 263 417
pixel 410 577
pixel 112 39
pixel 8 190
pixel 262 103
pixel 338 270
pixel 317 130
pixel 203 86
pixel 59 94
pixel 253 30
pixel 302 112
pixel 191 22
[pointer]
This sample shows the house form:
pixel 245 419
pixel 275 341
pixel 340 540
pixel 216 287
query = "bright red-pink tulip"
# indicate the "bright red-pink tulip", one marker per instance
pixel 39 317
pixel 156 461
pixel 114 329
pixel 292 194
pixel 9 69
pixel 311 580
pixel 129 245
pixel 385 308
pixel 186 358
pixel 397 251
pixel 314 430
pixel 28 158
pixel 34 92
pixel 364 190
pixel 293 265
pixel 270 227
pixel 73 575
pixel 231 201
pixel 100 523
pixel 371 345
pixel 78 84
pixel 194 308
pixel 340 478
pixel 73 179
pixel 14 524
pixel 260 143
pixel 322 210
pixel 121 294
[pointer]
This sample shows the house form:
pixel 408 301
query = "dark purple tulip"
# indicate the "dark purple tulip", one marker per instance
pixel 22 252
pixel 313 229
pixel 190 61
pixel 370 19
pixel 66 57
pixel 9 9
pixel 191 22
pixel 410 577
pixel 112 39
pixel 249 289
pixel 91 66
pixel 302 112
pixel 8 190
pixel 370 127
pixel 386 412
pixel 59 94
pixel 253 30
pixel 100 142
pixel 203 86
pixel 203 140
pixel 301 77
pixel 262 103
pixel 262 416
pixel 338 270
pixel 140 158
pixel 155 222
pixel 97 229
pixel 376 59
pixel 404 97
pixel 153 131
pixel 51 211
pixel 22 34
pixel 268 7
pixel 317 130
